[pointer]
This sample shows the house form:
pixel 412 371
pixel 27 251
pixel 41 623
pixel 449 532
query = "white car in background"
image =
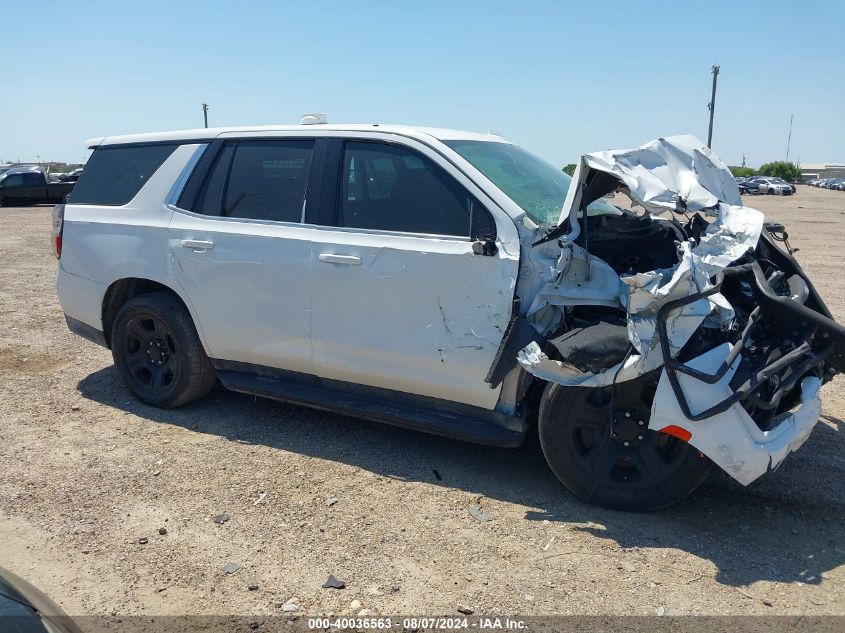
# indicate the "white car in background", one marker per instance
pixel 775 186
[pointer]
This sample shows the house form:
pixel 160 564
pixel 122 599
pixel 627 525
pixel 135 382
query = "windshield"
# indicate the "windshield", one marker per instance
pixel 532 183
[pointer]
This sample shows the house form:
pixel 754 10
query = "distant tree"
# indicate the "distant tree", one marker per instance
pixel 781 169
pixel 570 168
pixel 742 172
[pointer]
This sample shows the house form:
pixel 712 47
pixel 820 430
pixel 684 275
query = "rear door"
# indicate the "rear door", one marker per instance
pixel 404 296
pixel 241 253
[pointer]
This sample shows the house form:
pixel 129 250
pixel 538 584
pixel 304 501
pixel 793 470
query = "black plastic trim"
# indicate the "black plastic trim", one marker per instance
pixel 793 318
pixel 430 415
pixel 86 331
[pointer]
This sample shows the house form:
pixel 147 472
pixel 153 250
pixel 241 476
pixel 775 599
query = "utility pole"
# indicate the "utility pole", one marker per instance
pixel 789 138
pixel 205 113
pixel 712 107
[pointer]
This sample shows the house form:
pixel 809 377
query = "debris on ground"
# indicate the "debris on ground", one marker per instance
pixel 252 587
pixel 479 515
pixel 462 608
pixel 221 519
pixel 162 531
pixel 143 540
pixel 289 607
pixel 331 501
pixel 333 583
pixel 231 568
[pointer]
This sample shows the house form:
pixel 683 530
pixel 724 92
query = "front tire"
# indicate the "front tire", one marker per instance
pixel 597 443
pixel 158 353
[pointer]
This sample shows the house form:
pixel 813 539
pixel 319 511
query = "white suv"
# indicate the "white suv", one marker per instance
pixel 453 283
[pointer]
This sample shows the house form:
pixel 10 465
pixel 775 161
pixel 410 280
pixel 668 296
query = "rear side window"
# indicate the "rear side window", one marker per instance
pixel 392 188
pixel 211 194
pixel 114 175
pixel 267 180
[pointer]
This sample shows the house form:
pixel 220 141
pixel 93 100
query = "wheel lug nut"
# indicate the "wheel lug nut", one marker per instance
pixel 641 423
pixel 627 414
pixel 639 437
pixel 626 443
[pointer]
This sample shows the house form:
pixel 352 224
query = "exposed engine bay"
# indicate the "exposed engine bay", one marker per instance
pixel 694 287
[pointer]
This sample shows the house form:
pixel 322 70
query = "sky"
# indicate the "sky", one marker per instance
pixel 559 78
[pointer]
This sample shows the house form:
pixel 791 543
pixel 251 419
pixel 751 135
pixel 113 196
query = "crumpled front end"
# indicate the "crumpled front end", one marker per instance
pixel 694 288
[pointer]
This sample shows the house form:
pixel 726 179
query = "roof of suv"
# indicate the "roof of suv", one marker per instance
pixel 200 134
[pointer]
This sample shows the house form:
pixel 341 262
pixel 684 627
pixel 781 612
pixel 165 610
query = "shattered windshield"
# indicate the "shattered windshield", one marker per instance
pixel 532 183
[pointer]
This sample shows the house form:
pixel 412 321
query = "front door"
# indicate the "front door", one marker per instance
pixel 400 299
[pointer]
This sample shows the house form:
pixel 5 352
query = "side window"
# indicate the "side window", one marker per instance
pixel 115 174
pixel 210 196
pixel 392 188
pixel 32 179
pixel 267 180
pixel 14 180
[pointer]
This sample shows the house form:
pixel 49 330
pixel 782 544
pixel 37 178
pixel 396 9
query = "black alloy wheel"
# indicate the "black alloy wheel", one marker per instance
pixel 158 353
pixel 597 442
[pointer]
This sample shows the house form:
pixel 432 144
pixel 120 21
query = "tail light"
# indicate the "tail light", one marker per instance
pixel 56 232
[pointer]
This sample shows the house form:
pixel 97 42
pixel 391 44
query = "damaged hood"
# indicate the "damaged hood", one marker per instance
pixel 624 267
pixel 674 173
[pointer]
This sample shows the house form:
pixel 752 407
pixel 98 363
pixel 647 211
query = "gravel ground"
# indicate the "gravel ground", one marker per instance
pixel 91 480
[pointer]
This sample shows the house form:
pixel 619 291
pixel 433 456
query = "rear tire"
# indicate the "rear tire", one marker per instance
pixel 583 432
pixel 158 353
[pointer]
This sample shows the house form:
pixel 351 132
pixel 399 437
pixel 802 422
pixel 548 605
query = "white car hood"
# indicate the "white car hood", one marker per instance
pixel 666 174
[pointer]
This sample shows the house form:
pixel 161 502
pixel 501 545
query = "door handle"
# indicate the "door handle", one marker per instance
pixel 348 260
pixel 198 245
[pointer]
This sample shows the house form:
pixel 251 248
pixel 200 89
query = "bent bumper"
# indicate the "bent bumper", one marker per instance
pixel 732 439
pixel 705 398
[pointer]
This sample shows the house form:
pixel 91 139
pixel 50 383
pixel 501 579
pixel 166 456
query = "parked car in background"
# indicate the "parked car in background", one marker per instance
pixel 71 176
pixel 749 185
pixel 775 186
pixel 30 185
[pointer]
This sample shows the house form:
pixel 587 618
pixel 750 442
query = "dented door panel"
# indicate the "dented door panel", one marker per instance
pixel 422 315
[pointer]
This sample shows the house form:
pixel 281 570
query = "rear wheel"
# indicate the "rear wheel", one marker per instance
pixel 597 443
pixel 158 353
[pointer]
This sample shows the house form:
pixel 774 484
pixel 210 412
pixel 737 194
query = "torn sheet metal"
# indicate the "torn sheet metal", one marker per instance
pixel 734 232
pixel 732 439
pixel 675 174
pixel 667 174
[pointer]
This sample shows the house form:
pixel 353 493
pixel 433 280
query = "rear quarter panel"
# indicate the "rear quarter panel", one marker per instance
pixel 103 244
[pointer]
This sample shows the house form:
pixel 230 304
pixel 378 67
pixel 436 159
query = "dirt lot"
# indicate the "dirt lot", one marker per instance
pixel 88 473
